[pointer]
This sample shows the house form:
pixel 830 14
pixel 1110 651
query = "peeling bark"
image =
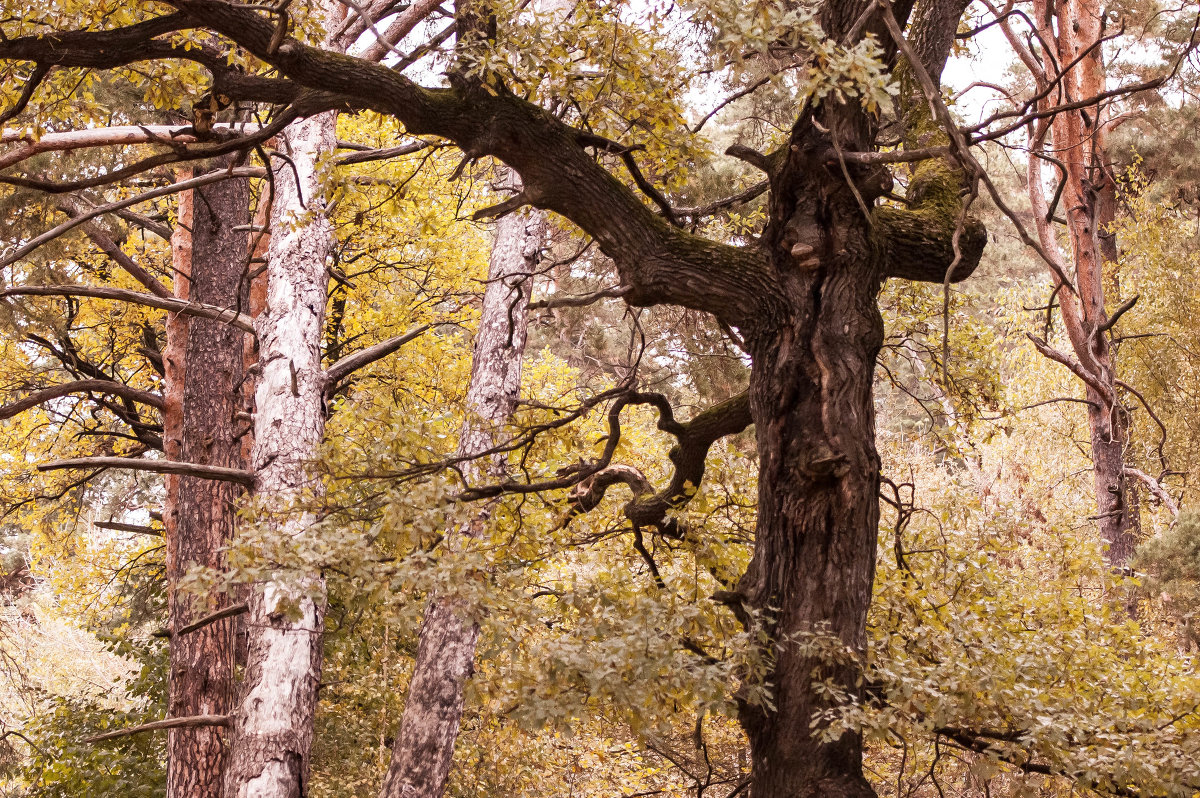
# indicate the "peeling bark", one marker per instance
pixel 1088 201
pixel 424 746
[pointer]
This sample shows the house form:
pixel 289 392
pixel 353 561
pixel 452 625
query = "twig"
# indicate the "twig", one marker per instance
pixel 580 301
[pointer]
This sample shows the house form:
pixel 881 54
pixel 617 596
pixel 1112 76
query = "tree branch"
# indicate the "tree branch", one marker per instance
pixel 137 529
pixel 239 320
pixel 100 210
pixel 1156 489
pixel 661 264
pixel 213 617
pixel 118 255
pixel 218 473
pixel 191 722
pixel 80 386
pixel 694 437
pixel 351 363
pixel 579 301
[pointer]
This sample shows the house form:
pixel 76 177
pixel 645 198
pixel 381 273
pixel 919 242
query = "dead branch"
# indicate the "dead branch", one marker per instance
pixel 100 210
pixel 214 312
pixel 244 478
pixel 191 722
pixel 351 363
pixel 80 386
pixel 137 529
pixel 212 617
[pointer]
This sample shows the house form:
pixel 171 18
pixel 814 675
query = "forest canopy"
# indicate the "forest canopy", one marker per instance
pixel 781 399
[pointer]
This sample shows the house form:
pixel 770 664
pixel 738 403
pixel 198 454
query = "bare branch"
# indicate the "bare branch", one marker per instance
pixel 1155 487
pixel 218 473
pixel 221 614
pixel 401 26
pixel 351 363
pixel 137 529
pixel 100 210
pixel 1075 367
pixel 191 722
pixel 214 312
pixel 118 255
pixel 120 135
pixel 579 301
pixel 80 386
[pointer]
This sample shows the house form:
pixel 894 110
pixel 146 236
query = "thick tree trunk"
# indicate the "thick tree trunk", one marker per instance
pixel 273 724
pixel 818 511
pixel 424 746
pixel 203 370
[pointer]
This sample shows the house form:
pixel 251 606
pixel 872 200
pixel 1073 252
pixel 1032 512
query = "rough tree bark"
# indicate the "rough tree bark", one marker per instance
pixel 203 366
pixel 273 724
pixel 424 746
pixel 1088 202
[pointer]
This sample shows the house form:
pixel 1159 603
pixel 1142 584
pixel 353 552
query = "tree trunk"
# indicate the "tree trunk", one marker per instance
pixel 1088 201
pixel 273 724
pixel 424 747
pixel 204 401
pixel 818 511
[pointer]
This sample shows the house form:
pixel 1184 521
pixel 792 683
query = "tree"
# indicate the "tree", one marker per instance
pixel 802 295
pixel 1088 195
pixel 203 369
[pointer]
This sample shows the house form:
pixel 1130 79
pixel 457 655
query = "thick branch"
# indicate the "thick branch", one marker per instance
pixel 80 386
pixel 351 363
pixel 120 135
pixel 661 264
pixel 237 475
pixel 695 438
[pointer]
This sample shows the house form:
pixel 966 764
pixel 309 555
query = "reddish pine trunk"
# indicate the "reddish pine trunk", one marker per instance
pixel 201 429
pixel 1088 201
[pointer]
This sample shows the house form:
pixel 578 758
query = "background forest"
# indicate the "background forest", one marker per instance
pixel 293 366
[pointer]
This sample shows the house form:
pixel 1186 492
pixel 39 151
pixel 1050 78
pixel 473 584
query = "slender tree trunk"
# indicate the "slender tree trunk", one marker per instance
pixel 1088 202
pixel 424 746
pixel 203 371
pixel 273 724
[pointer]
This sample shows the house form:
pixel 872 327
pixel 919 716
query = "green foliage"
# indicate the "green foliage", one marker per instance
pixel 64 764
pixel 1171 561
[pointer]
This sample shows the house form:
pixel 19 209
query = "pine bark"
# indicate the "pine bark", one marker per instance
pixel 273 723
pixel 203 365
pixel 424 747
pixel 1088 202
